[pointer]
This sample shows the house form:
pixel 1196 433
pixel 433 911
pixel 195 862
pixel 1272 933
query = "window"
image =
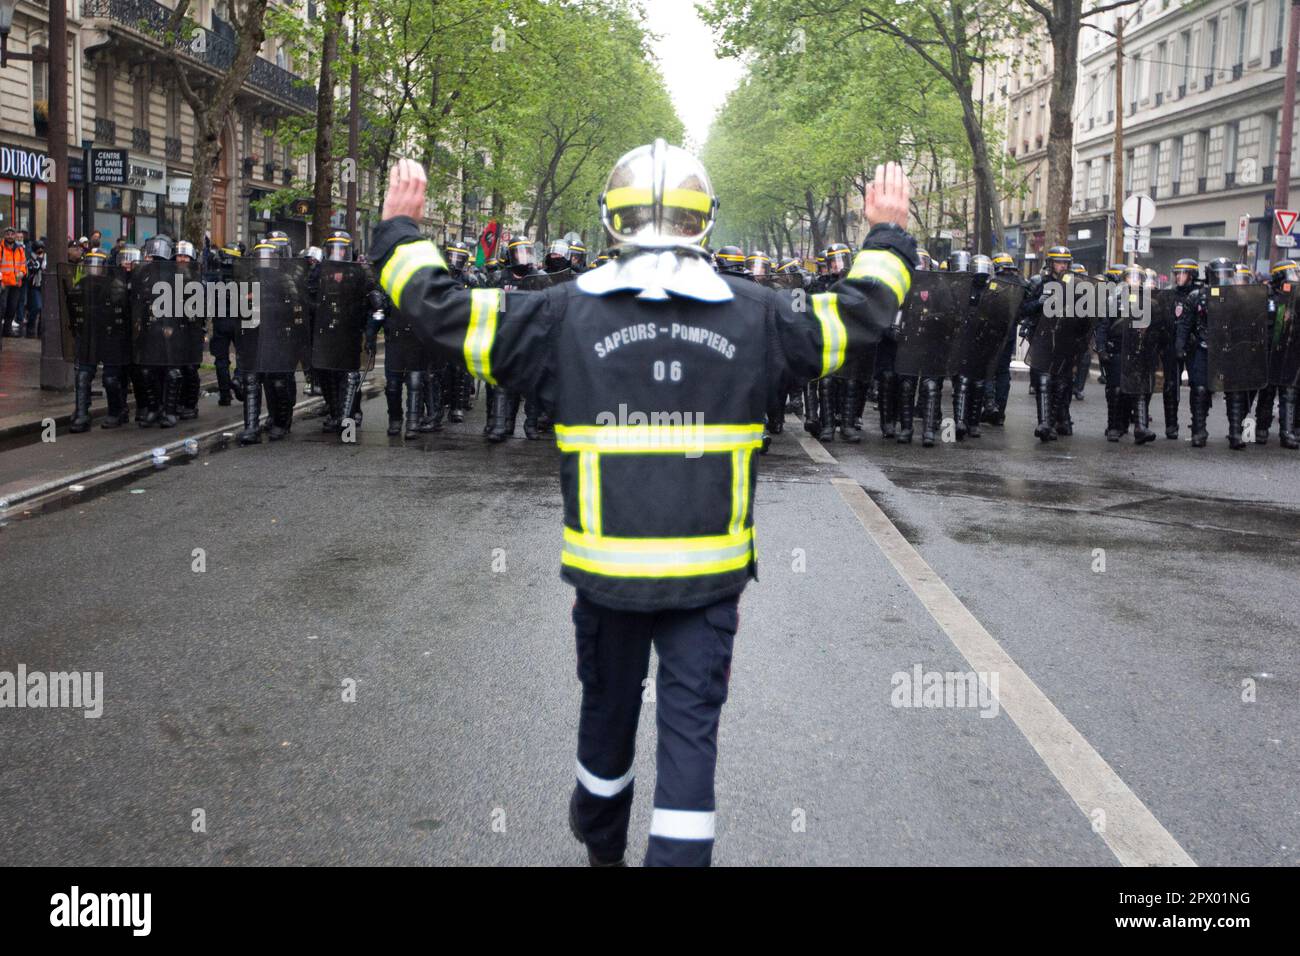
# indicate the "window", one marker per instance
pixel 1211 230
pixel 142 102
pixel 1185 57
pixel 1231 134
pixel 1161 67
pixel 1240 17
pixel 1279 23
pixel 1202 153
pixel 1212 45
pixel 1128 170
pixel 1176 160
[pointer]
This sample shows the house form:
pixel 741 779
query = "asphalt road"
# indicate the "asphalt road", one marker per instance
pixel 427 573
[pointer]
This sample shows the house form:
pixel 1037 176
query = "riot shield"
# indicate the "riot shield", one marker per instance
pixel 1143 332
pixel 928 323
pixel 1237 337
pixel 403 351
pixel 95 320
pixel 1070 308
pixel 274 334
pixel 1284 362
pixel 339 316
pixel 168 304
pixel 986 328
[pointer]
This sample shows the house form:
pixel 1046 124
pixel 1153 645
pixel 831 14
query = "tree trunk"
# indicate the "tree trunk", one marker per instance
pixel 323 196
pixel 1060 138
pixel 814 226
pixel 984 181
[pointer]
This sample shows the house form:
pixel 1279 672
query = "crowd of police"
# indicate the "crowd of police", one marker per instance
pixel 1215 325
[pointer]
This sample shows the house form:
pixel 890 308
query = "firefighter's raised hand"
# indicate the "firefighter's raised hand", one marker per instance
pixel 888 196
pixel 406 188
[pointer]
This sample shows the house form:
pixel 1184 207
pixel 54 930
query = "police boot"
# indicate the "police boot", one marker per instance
pixel 498 414
pixel 309 379
pixel 224 391
pixel 148 396
pixel 794 403
pixel 460 387
pixel 1142 432
pixel 329 388
pixel 1286 408
pixel 848 412
pixel 237 385
pixel 432 397
pixel 1236 403
pixel 1264 414
pixel 1170 396
pixel 826 410
pixel 393 396
pixel 81 416
pixel 887 391
pixel 976 410
pixel 115 394
pixel 351 394
pixel 811 419
pixel 1200 402
pixel 1042 385
pixel 171 394
pixel 1112 413
pixel 278 398
pixel 252 434
pixel 1062 392
pixel 932 408
pixel 188 406
pixel 961 405
pixel 906 407
pixel 866 389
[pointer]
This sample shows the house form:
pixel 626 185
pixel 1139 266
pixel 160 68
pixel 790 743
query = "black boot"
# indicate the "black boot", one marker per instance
pixel 1236 403
pixel 148 397
pixel 349 393
pixel 224 391
pixel 490 400
pixel 432 394
pixel 1286 409
pixel 532 410
pixel 848 411
pixel 282 388
pixel 932 408
pixel 115 395
pixel 393 397
pixel 1112 413
pixel 328 382
pixel 865 390
pixel 976 415
pixel 906 407
pixel 1170 396
pixel 812 422
pixel 1063 391
pixel 237 385
pixel 1264 414
pixel 1142 432
pixel 961 396
pixel 81 416
pixel 826 409
pixel 171 394
pixel 414 400
pixel 252 433
pixel 499 416
pixel 1042 384
pixel 1200 402
pixel 887 391
pixel 187 407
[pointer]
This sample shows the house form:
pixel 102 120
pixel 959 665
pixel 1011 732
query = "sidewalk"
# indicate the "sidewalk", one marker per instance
pixel 22 402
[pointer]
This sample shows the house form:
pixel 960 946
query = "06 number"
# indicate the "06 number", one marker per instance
pixel 673 371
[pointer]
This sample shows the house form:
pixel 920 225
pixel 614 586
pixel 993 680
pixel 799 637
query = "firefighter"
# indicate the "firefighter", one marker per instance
pixel 658 537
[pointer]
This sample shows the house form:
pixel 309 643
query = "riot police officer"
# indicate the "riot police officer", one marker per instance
pixel 1051 384
pixel 187 406
pixel 1188 295
pixel 1284 357
pixel 730 260
pixel 225 329
pixel 97 300
pixel 1191 344
pixel 1112 328
pixel 577 257
pixel 997 389
pixel 658 548
pixel 520 274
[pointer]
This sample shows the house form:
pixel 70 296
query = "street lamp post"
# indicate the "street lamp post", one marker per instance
pixel 55 372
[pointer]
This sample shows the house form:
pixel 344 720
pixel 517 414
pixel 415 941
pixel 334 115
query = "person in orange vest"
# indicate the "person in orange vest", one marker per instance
pixel 13 270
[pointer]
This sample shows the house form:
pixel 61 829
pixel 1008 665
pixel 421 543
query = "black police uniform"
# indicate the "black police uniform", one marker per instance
pixel 658 527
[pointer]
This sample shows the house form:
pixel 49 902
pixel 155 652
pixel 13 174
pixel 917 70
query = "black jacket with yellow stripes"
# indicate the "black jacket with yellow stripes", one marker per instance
pixel 659 403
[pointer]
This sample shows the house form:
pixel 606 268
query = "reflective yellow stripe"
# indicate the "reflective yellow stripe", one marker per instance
pixel 657 557
pixel 484 304
pixel 655 439
pixel 826 307
pixel 406 261
pixel 589 491
pixel 885 267
pixel 740 460
pixel 626 196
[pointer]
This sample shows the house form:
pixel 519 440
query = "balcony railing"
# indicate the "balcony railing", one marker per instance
pixel 150 19
pixel 172 149
pixel 1229 180
pixel 1237 69
pixel 1209 80
pixel 105 131
pixel 1200 185
pixel 1160 99
pixel 1268 174
pixel 1275 57
pixel 1176 186
pixel 140 139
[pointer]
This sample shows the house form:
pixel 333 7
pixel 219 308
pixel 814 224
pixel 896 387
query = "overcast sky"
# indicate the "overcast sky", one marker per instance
pixel 697 80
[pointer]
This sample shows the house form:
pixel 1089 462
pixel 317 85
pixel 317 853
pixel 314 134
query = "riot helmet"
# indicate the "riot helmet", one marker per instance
pixel 1243 275
pixel 1116 272
pixel 925 263
pixel 457 255
pixel 557 257
pixel 1059 260
pixel 185 248
pixel 127 257
pixel 280 240
pixel 1219 272
pixel 1185 272
pixel 1002 263
pixel 95 262
pixel 1284 271
pixel 730 259
pixel 838 259
pixel 658 197
pixel 157 247
pixel 338 246
pixel 760 266
pixel 577 255
pixel 981 266
pixel 520 253
pixel 266 254
pixel 959 261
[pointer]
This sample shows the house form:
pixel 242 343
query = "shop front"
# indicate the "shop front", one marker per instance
pixel 129 196
pixel 24 191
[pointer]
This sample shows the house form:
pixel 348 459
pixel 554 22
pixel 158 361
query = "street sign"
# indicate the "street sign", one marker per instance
pixel 1243 230
pixel 1139 210
pixel 1136 231
pixel 1285 219
pixel 1138 244
pixel 1284 240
